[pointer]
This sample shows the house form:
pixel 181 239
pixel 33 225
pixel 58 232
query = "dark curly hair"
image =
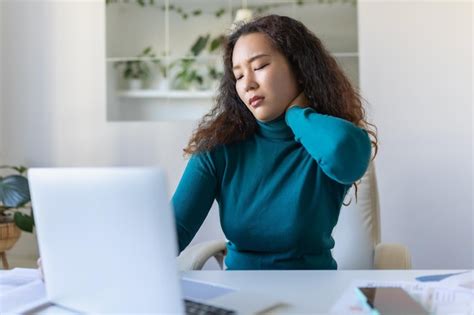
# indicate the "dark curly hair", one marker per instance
pixel 321 79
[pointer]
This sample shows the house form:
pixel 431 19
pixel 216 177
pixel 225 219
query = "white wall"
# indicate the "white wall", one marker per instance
pixel 54 100
pixel 416 73
pixel 1 89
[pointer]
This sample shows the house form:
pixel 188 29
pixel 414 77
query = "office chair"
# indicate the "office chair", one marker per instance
pixel 357 236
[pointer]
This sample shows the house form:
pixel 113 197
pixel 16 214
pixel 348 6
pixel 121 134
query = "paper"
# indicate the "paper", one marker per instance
pixel 202 291
pixel 11 279
pixel 22 289
pixel 463 280
pixel 26 296
pixel 436 298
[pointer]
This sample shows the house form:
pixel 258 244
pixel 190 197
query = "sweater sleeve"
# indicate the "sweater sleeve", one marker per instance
pixel 341 149
pixel 193 197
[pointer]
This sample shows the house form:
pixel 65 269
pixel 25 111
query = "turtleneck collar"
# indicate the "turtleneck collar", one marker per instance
pixel 275 129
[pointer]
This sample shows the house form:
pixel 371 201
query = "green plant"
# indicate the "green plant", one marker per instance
pixel 139 69
pixel 204 41
pixel 148 52
pixel 14 196
pixel 214 74
pixel 188 75
pixel 216 43
pixel 188 72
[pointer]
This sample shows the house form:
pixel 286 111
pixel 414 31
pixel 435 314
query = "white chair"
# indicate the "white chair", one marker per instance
pixel 357 236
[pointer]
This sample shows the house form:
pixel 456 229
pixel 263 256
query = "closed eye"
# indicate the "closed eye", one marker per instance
pixel 261 67
pixel 240 77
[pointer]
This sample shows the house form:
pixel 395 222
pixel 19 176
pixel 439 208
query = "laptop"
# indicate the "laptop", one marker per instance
pixel 108 244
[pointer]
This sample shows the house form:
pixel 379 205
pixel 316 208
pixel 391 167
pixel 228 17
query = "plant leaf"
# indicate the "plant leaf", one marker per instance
pixel 216 42
pixel 146 51
pixel 24 221
pixel 219 12
pixel 200 44
pixel 14 191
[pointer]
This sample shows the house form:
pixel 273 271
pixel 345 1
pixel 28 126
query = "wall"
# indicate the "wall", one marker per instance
pixel 1 87
pixel 54 101
pixel 416 73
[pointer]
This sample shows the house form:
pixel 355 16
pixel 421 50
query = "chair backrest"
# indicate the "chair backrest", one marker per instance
pixel 358 229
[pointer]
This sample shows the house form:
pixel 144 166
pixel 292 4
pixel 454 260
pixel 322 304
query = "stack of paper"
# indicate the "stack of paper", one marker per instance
pixel 20 287
pixel 445 295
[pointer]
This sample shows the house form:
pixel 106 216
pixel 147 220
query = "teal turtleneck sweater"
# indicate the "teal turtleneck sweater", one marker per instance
pixel 279 191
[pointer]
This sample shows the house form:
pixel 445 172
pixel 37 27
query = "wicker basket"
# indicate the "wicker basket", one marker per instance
pixel 9 234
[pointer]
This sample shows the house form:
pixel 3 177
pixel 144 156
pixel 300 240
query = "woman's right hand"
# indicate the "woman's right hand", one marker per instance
pixel 40 268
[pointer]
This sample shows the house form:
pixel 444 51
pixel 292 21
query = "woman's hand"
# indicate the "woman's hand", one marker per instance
pixel 300 100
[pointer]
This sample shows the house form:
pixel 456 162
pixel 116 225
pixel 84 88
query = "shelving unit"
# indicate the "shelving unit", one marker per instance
pixel 166 58
pixel 171 38
pixel 171 94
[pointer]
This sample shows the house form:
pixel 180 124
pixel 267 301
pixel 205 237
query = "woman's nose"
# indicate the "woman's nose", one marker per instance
pixel 250 82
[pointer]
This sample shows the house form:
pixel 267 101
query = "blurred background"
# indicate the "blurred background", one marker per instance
pixel 119 83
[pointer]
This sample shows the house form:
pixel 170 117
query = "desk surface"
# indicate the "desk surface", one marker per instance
pixel 309 292
pixel 306 291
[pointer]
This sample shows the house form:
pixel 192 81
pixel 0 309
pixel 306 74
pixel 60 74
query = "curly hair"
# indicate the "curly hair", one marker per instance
pixel 321 79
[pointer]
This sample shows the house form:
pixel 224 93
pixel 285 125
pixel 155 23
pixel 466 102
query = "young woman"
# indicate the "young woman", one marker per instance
pixel 284 143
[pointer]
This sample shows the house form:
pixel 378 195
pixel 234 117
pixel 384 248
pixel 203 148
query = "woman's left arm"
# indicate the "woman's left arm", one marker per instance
pixel 341 149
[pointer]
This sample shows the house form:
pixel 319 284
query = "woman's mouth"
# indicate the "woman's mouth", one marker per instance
pixel 256 101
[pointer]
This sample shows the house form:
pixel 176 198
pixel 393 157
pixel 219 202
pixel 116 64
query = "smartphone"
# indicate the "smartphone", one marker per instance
pixel 390 301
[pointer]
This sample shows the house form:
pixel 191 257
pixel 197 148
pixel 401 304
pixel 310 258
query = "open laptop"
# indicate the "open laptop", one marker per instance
pixel 108 244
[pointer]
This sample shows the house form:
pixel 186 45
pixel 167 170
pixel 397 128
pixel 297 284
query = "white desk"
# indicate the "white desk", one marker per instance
pixel 305 292
pixel 311 292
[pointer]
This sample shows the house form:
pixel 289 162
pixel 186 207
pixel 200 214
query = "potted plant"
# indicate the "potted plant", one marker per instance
pixel 159 77
pixel 188 77
pixel 136 71
pixel 14 197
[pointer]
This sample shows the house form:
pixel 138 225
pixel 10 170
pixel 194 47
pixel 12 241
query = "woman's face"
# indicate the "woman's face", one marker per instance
pixel 265 81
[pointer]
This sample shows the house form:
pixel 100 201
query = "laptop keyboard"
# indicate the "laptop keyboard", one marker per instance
pixel 195 308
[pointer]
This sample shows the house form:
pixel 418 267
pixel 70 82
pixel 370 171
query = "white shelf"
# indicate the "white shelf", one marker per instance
pixel 116 59
pixel 209 57
pixel 166 94
pixel 171 58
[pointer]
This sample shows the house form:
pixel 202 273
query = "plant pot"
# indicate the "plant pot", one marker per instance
pixel 9 235
pixel 164 84
pixel 134 84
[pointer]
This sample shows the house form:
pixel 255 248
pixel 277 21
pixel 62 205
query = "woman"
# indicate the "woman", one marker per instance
pixel 284 143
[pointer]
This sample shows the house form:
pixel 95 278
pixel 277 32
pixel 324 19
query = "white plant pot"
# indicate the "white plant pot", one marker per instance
pixel 134 84
pixel 164 84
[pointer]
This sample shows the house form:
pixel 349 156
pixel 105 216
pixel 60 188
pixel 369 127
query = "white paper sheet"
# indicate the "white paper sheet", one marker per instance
pixel 461 281
pixel 23 297
pixel 11 279
pixel 436 299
